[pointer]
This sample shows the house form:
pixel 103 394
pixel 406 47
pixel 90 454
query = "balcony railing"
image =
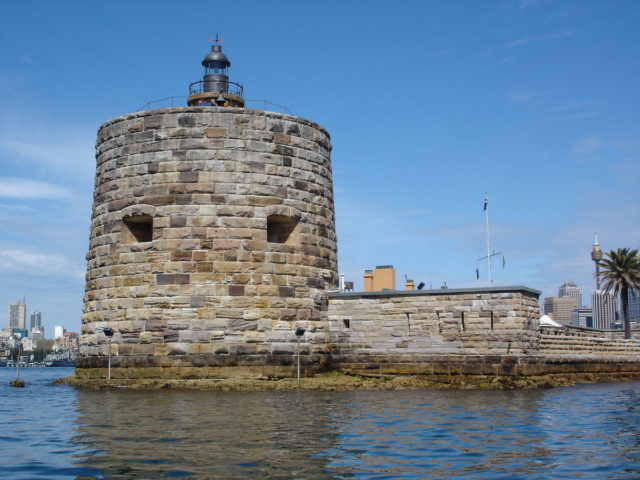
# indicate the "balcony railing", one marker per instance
pixel 233 88
pixel 179 101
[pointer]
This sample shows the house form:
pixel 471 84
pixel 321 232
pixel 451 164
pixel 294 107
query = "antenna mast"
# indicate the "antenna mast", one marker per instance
pixel 485 208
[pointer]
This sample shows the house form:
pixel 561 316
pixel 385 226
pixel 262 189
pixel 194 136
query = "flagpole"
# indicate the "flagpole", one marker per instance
pixel 486 217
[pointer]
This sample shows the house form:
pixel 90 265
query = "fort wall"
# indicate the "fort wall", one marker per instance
pixel 212 239
pixel 480 332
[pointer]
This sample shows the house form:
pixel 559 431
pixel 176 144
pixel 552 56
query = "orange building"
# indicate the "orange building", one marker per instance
pixel 382 278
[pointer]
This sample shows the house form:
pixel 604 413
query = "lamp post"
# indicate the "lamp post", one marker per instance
pixel 299 334
pixel 108 332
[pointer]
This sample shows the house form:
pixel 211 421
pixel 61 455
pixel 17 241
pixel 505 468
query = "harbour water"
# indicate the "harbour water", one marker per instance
pixel 58 432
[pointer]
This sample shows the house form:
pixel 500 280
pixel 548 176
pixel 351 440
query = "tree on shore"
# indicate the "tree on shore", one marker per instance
pixel 43 348
pixel 620 275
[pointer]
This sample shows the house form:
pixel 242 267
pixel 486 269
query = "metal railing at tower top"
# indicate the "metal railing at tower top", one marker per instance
pixel 282 108
pixel 180 101
pixel 232 88
pixel 168 102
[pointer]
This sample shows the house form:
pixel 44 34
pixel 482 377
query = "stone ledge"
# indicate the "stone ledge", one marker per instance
pixel 336 381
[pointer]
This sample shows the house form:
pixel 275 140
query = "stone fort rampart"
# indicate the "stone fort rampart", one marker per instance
pixel 213 240
pixel 212 237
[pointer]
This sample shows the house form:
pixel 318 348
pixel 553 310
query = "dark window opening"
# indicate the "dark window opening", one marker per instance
pixel 280 228
pixel 140 228
pixel 462 321
pixel 347 322
pixel 491 320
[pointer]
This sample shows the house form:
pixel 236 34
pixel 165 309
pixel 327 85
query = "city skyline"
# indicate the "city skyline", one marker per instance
pixel 534 103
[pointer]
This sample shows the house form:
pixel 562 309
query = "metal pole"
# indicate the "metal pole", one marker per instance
pixel 109 355
pixel 486 216
pixel 298 360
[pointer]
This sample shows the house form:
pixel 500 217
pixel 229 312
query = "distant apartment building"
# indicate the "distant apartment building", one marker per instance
pixel 382 278
pixel 570 289
pixel 59 331
pixel 604 309
pixel 582 317
pixel 68 342
pixel 634 306
pixel 36 333
pixel 36 320
pixel 18 314
pixel 560 308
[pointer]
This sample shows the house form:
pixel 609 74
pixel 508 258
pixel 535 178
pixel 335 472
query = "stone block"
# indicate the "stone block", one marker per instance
pixel 240 324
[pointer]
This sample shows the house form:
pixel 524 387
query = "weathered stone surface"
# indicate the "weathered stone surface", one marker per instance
pixel 202 284
pixel 235 247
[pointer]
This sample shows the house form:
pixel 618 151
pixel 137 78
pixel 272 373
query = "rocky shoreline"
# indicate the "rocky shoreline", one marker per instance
pixel 336 381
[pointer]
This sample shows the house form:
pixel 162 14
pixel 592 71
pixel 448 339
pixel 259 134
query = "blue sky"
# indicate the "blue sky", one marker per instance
pixel 429 104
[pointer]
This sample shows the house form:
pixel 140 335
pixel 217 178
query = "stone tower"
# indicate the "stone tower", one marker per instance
pixel 212 239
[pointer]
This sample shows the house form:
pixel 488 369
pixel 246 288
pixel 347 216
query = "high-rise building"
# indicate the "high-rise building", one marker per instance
pixel 36 320
pixel 634 306
pixel 582 317
pixel 604 309
pixel 560 308
pixel 18 314
pixel 59 331
pixel 570 289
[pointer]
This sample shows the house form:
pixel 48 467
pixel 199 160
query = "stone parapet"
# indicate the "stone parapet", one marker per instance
pixel 579 341
pixel 498 321
pixel 486 365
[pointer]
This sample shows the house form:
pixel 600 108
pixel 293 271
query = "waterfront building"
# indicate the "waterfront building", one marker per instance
pixel 382 278
pixel 36 320
pixel 560 308
pixel 582 317
pixel 36 333
pixel 570 289
pixel 604 309
pixel 58 331
pixel 18 314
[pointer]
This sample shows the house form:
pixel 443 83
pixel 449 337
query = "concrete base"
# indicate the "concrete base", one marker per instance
pixel 438 368
pixel 200 366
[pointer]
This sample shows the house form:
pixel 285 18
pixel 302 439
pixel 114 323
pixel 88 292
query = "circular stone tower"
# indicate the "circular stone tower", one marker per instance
pixel 212 240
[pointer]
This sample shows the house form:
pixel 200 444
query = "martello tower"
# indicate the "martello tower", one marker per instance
pixel 212 239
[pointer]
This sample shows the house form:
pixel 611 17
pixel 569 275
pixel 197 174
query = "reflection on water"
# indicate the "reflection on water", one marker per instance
pixel 590 431
pixel 208 434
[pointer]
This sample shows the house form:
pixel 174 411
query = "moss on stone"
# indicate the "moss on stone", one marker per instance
pixel 338 381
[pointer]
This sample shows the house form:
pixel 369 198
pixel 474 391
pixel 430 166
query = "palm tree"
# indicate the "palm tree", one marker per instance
pixel 620 275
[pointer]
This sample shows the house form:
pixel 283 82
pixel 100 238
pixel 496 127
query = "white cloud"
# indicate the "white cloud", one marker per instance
pixel 587 146
pixel 618 143
pixel 40 264
pixel 537 38
pixel 31 189
pixel 54 148
pixel 519 97
pixel 49 153
pixel 532 3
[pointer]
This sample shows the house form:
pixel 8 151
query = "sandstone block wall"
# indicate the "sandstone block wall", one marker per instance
pixel 407 324
pixel 212 235
pixel 581 341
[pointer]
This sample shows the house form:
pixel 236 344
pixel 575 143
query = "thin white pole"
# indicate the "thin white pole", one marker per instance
pixel 486 217
pixel 109 353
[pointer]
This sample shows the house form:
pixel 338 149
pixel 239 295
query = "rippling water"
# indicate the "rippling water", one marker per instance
pixel 57 432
